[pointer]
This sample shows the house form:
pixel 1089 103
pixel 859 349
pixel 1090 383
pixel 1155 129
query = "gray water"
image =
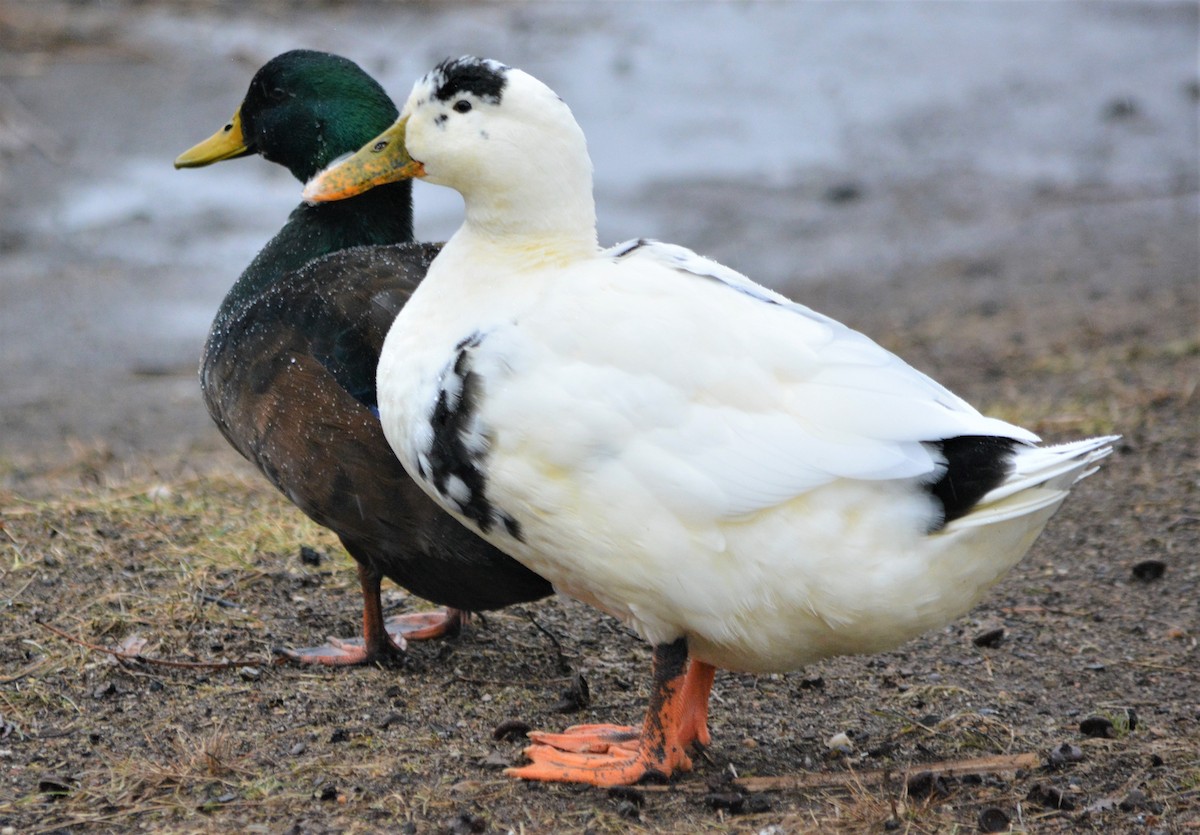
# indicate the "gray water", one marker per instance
pixel 799 143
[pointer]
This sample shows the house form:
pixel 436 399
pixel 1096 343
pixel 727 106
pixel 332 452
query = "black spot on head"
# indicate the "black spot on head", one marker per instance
pixel 483 78
pixel 975 465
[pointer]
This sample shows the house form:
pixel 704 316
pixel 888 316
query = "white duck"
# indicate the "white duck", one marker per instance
pixel 736 477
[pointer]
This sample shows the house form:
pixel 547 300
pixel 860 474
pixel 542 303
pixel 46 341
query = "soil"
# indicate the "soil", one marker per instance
pixel 1074 688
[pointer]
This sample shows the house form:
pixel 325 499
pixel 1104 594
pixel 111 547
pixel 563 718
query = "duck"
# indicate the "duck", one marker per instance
pixel 746 483
pixel 288 369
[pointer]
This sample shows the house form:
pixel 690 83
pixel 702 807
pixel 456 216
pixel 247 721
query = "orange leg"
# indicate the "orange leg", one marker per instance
pixel 380 640
pixel 676 719
pixel 599 739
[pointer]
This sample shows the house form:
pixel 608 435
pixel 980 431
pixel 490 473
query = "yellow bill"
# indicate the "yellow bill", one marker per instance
pixel 227 143
pixel 384 159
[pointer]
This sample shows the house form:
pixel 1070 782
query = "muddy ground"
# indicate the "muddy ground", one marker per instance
pixel 1076 682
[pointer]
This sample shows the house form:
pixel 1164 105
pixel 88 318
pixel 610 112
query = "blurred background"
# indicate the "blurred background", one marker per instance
pixel 829 150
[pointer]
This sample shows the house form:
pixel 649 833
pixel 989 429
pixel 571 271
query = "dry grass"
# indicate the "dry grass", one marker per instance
pixel 186 566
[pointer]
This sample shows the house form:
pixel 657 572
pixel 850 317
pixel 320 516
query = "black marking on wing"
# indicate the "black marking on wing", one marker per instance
pixel 975 465
pixel 483 78
pixel 453 463
pixel 621 250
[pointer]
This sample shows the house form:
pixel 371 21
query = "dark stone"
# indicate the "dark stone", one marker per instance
pixel 511 729
pixel 55 786
pixel 993 820
pixel 1149 570
pixel 309 556
pixel 731 802
pixel 1050 797
pixel 1098 727
pixel 926 784
pixel 990 638
pixel 1064 754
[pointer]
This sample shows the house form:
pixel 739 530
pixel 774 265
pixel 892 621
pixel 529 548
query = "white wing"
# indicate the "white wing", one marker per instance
pixel 737 400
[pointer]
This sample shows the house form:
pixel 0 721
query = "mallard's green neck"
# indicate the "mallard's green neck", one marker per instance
pixel 380 216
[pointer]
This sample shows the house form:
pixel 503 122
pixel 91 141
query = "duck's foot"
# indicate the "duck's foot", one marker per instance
pixel 619 755
pixel 380 640
pixel 590 739
pixel 619 768
pixel 345 652
pixel 426 626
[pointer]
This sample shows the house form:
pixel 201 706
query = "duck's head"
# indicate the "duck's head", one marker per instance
pixel 495 134
pixel 303 110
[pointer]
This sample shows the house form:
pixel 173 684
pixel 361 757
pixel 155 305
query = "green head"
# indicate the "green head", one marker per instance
pixel 303 110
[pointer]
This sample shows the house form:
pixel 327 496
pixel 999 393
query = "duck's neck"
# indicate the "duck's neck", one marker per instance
pixel 551 225
pixel 382 215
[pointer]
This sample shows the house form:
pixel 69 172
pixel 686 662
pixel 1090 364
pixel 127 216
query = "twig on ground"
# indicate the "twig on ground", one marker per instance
pixel 161 662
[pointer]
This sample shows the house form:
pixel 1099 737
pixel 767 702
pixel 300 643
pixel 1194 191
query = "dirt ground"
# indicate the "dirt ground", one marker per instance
pixel 1069 700
pixel 1085 657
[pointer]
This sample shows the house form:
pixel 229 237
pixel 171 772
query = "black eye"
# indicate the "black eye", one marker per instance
pixel 462 106
pixel 278 94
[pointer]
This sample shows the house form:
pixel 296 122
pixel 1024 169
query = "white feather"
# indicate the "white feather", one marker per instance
pixel 679 446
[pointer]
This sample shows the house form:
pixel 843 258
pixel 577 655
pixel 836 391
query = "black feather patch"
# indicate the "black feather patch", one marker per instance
pixel 454 467
pixel 975 465
pixel 483 78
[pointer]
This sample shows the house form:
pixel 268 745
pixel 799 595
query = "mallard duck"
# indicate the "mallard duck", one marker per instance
pixel 745 482
pixel 288 371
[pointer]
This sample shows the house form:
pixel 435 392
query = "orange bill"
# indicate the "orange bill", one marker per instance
pixel 384 159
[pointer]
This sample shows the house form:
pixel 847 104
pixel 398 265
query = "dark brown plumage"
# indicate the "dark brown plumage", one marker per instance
pixel 288 371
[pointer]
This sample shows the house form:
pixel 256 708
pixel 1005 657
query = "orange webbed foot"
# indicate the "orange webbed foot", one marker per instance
pixel 619 755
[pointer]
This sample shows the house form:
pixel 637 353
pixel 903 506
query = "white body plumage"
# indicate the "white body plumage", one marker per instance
pixel 666 440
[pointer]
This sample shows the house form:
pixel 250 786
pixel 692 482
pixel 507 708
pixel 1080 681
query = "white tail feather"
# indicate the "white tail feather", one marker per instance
pixel 1041 477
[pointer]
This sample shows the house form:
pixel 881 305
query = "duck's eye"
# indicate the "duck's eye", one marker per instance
pixel 462 106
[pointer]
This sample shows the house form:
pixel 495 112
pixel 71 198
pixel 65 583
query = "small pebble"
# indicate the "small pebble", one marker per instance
pixel 249 673
pixel 511 729
pixel 1149 570
pixel 990 638
pixel 1063 754
pixel 1133 801
pixel 1098 727
pixel 55 787
pixel 309 556
pixel 1050 797
pixel 731 802
pixel 299 748
pixel 927 784
pixel 993 820
pixel 840 742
